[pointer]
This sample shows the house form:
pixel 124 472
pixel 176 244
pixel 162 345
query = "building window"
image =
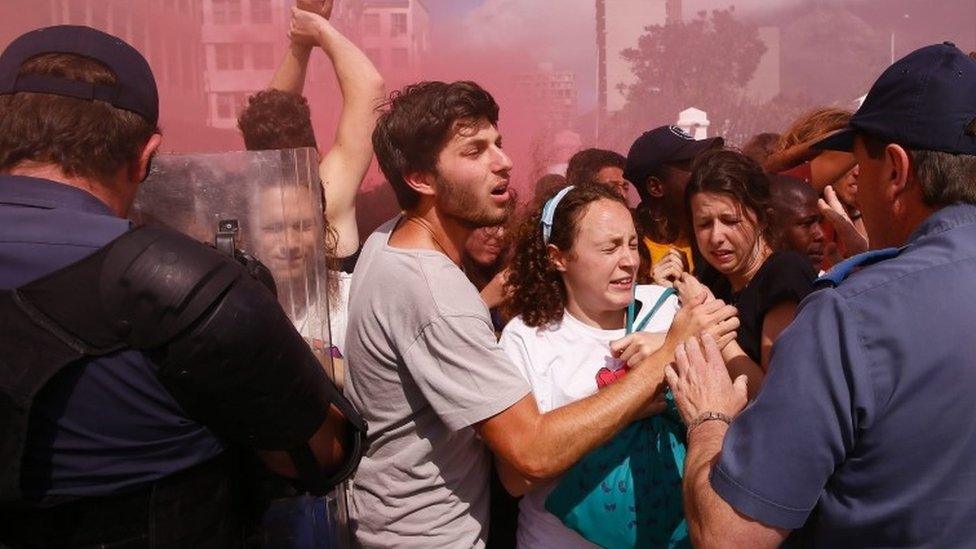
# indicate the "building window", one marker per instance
pixel 399 58
pixel 229 57
pixel 226 105
pixel 226 12
pixel 229 104
pixel 398 24
pixel 371 24
pixel 263 56
pixel 260 11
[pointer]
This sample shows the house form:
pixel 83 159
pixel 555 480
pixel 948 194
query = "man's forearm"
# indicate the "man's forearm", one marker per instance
pixel 343 167
pixel 360 83
pixel 290 76
pixel 566 434
pixel 712 522
pixel 701 501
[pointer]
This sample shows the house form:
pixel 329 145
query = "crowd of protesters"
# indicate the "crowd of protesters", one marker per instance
pixel 771 347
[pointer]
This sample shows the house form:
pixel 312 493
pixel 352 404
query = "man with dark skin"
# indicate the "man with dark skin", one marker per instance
pixel 659 166
pixel 797 217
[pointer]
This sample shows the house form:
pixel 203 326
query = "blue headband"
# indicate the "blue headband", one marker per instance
pixel 549 212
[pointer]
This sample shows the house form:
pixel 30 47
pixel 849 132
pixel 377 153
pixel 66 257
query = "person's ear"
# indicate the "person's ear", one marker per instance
pixel 556 258
pixel 421 182
pixel 139 170
pixel 655 187
pixel 897 173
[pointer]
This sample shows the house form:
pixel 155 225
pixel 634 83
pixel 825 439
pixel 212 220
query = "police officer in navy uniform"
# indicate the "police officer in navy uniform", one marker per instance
pixel 131 360
pixel 863 433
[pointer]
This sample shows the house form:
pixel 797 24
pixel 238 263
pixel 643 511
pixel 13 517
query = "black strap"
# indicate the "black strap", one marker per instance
pixel 308 469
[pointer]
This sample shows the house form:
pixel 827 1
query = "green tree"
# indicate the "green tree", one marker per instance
pixel 703 63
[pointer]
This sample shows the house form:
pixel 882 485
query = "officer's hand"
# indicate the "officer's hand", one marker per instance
pixel 700 382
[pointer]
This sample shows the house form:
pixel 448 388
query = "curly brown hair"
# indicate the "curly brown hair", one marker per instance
pixel 537 290
pixel 275 119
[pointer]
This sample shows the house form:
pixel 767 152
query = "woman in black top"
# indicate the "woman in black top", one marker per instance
pixel 729 207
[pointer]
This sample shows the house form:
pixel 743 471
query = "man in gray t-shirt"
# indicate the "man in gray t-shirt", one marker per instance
pixel 434 370
pixel 423 364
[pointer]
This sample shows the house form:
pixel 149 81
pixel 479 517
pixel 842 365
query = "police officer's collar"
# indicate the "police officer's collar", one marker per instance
pixel 944 219
pixel 44 193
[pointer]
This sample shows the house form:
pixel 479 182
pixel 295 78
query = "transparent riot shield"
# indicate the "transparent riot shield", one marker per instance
pixel 268 204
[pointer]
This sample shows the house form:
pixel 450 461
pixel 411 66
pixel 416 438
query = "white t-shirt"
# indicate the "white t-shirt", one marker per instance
pixel 312 325
pixel 561 362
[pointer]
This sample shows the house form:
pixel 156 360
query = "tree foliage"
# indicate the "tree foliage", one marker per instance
pixel 705 63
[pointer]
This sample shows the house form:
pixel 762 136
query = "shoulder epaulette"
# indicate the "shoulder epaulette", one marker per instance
pixel 845 268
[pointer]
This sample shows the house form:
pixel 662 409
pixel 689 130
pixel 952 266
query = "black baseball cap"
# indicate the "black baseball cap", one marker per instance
pixel 925 100
pixel 135 88
pixel 661 146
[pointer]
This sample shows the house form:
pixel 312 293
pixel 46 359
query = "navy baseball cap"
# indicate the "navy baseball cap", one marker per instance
pixel 925 101
pixel 661 146
pixel 135 88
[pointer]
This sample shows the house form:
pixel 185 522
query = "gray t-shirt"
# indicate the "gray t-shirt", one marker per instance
pixel 423 367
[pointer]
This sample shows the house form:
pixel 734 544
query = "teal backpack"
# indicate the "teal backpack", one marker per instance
pixel 627 493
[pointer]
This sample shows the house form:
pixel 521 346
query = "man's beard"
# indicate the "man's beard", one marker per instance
pixel 463 206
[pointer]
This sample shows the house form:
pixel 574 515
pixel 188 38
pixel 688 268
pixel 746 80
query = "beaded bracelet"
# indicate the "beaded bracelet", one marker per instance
pixel 708 416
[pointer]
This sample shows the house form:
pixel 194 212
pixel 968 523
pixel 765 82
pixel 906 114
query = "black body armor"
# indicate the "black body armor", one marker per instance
pixel 223 346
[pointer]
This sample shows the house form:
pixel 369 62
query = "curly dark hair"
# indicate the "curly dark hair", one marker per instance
pixel 729 172
pixel 275 119
pixel 537 290
pixel 416 124
pixel 584 165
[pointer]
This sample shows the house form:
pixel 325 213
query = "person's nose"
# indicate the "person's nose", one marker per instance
pixel 501 163
pixel 817 232
pixel 630 261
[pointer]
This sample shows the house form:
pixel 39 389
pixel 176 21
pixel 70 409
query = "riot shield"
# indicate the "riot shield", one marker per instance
pixel 269 205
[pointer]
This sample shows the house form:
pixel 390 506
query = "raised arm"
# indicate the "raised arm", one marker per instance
pixel 290 76
pixel 344 165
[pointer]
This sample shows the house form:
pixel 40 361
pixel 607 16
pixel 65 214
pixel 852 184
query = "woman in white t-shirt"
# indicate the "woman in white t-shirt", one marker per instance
pixel 572 280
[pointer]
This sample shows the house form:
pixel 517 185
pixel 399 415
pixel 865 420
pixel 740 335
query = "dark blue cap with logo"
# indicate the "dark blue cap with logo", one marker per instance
pixel 135 87
pixel 662 145
pixel 924 101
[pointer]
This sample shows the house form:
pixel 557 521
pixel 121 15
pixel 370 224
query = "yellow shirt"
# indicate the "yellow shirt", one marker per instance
pixel 658 251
